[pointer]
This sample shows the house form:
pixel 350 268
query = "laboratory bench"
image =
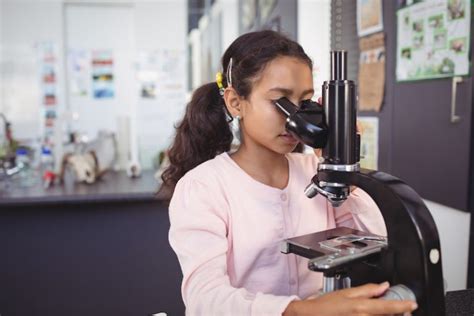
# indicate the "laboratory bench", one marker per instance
pixel 79 249
pixel 99 249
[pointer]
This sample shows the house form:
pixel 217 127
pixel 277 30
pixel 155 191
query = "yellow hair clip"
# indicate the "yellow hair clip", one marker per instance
pixel 219 80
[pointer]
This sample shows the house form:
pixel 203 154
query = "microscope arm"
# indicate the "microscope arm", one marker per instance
pixel 412 234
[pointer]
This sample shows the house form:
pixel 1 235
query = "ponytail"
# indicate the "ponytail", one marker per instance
pixel 201 135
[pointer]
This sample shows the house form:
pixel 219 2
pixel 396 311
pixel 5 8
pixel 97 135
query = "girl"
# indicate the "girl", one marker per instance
pixel 230 211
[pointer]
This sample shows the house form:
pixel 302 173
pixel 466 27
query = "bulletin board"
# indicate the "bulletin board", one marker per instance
pixel 433 39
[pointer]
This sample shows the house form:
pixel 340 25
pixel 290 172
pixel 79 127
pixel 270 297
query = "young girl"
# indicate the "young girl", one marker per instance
pixel 230 211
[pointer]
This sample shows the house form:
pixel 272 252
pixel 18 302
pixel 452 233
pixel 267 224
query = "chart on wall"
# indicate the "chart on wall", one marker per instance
pixel 47 59
pixel 102 74
pixel 161 88
pixel 369 145
pixel 433 39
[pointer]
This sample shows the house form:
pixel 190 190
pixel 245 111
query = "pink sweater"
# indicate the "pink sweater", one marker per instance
pixel 226 229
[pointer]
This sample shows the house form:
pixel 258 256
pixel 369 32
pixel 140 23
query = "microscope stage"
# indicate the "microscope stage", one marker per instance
pixel 334 248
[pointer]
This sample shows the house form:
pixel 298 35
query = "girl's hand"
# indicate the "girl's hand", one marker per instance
pixel 361 300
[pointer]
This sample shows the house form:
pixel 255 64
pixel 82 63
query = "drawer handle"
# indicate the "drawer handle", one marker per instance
pixel 454 117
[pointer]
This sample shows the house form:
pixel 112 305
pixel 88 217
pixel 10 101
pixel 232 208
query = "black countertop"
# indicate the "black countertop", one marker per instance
pixel 112 187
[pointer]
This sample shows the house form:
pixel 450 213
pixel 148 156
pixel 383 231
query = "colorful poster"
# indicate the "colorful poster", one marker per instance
pixel 102 74
pixel 49 94
pixel 433 39
pixel 369 17
pixel 50 116
pixel 47 62
pixel 369 143
pixel 48 72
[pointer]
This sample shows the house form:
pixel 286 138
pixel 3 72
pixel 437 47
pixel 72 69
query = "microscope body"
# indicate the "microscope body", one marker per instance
pixel 410 257
pixel 413 255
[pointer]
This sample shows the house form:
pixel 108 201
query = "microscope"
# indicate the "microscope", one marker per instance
pixel 410 256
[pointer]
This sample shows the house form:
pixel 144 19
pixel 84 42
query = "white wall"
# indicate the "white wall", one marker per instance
pixel 95 28
pixel 25 24
pixel 161 24
pixel 194 41
pixel 314 17
pixel 453 229
pixel 1 58
pixel 157 25
pixel 230 22
pixel 216 31
pixel 313 34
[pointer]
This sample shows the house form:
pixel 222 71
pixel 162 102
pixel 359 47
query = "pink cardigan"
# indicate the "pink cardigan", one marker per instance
pixel 226 229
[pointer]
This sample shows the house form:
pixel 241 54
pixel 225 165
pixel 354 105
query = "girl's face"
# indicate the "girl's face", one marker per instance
pixel 262 123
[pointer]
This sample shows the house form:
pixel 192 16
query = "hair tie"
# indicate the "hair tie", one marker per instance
pixel 219 80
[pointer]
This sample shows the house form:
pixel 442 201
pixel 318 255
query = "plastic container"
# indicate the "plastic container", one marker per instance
pixel 47 167
pixel 46 160
pixel 26 175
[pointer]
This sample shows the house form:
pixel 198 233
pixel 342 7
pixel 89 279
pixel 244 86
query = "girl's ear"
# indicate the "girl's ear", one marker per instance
pixel 232 101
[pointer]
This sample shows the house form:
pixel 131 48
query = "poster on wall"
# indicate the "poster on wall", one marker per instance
pixel 102 74
pixel 171 73
pixel 47 65
pixel 369 17
pixel 371 72
pixel 79 67
pixel 147 68
pixel 369 142
pixel 160 74
pixel 50 116
pixel 49 94
pixel 433 39
pixel 48 73
pixel 161 82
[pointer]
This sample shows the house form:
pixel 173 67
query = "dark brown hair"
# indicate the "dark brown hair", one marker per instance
pixel 204 131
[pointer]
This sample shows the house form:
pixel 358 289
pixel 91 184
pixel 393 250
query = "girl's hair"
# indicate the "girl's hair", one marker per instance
pixel 204 131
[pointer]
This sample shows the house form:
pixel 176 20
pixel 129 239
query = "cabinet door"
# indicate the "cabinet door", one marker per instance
pixel 429 152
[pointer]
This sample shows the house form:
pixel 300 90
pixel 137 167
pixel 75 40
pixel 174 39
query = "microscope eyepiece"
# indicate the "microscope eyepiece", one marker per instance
pixel 338 65
pixel 306 123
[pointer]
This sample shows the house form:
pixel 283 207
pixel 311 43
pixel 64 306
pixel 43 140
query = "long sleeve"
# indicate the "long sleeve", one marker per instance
pixel 360 212
pixel 200 236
